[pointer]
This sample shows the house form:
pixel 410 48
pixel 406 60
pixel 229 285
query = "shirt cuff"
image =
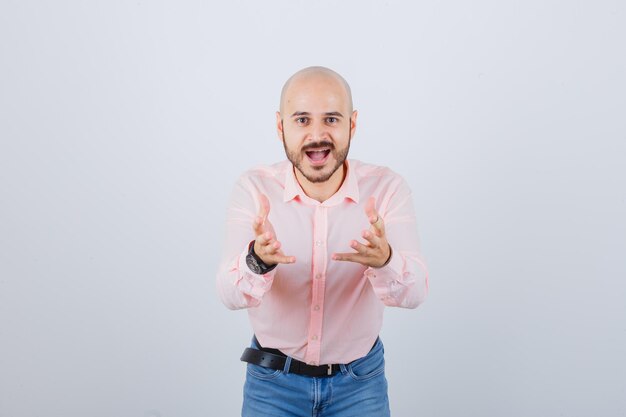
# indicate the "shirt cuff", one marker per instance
pixel 387 280
pixel 254 285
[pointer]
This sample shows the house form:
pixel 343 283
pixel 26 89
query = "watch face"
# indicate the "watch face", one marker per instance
pixel 253 264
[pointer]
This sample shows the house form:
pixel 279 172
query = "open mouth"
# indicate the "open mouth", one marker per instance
pixel 318 156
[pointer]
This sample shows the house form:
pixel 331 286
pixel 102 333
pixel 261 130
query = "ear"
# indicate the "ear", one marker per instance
pixel 279 126
pixel 353 122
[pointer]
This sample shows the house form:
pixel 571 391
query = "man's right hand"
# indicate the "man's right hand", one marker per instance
pixel 266 246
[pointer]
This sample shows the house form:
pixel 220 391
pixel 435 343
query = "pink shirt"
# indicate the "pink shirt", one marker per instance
pixel 318 310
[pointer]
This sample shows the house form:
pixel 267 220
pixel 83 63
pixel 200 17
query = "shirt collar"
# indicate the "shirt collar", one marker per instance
pixel 349 188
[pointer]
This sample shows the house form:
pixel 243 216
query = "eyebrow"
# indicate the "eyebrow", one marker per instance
pixel 306 113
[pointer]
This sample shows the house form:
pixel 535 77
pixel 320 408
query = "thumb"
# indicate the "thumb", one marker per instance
pixel 374 218
pixel 264 208
pixel 370 210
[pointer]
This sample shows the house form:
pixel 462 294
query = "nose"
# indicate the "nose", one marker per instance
pixel 318 131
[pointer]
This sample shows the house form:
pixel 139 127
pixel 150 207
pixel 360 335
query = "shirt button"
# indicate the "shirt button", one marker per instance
pixel 314 337
pixel 318 276
pixel 316 308
pixel 314 363
pixel 319 243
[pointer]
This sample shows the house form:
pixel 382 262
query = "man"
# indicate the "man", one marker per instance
pixel 316 247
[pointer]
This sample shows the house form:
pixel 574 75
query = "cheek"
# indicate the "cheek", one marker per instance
pixel 293 146
pixel 342 140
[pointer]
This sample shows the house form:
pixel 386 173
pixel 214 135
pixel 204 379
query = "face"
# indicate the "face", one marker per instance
pixel 316 127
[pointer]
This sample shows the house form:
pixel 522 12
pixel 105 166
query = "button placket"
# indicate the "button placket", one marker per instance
pixel 317 284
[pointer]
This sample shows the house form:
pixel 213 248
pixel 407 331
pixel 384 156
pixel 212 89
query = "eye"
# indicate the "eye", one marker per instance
pixel 302 120
pixel 332 120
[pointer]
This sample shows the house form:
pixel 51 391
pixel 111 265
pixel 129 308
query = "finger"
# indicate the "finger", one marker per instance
pixel 257 226
pixel 374 217
pixel 270 254
pixel 264 208
pixel 379 226
pixel 373 240
pixel 370 209
pixel 360 248
pixel 264 238
pixel 281 258
pixel 272 247
pixel 349 257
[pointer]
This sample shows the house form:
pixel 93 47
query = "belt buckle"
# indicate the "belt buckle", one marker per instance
pixel 330 369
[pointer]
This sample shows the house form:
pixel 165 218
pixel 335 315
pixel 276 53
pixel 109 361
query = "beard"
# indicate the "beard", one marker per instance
pixel 322 173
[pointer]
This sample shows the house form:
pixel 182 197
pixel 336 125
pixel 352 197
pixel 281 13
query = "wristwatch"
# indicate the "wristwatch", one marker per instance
pixel 255 263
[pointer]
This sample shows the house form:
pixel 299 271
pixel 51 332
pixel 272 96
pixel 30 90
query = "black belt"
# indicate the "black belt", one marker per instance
pixel 275 359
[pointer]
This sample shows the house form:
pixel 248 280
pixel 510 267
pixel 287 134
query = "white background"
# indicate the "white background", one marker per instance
pixel 123 126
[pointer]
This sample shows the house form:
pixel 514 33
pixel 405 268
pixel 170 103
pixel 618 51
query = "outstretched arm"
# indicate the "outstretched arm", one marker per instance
pixel 247 220
pixel 391 252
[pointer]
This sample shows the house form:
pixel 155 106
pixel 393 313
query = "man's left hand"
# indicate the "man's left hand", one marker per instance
pixel 376 250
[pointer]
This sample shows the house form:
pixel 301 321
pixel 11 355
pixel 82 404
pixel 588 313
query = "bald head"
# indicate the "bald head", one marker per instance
pixel 309 79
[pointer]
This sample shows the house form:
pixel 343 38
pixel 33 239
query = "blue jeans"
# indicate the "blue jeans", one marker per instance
pixel 359 390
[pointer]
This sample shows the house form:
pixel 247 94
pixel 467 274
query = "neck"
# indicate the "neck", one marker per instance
pixel 322 191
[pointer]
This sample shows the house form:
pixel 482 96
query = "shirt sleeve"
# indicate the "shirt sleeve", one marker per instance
pixel 237 286
pixel 403 282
